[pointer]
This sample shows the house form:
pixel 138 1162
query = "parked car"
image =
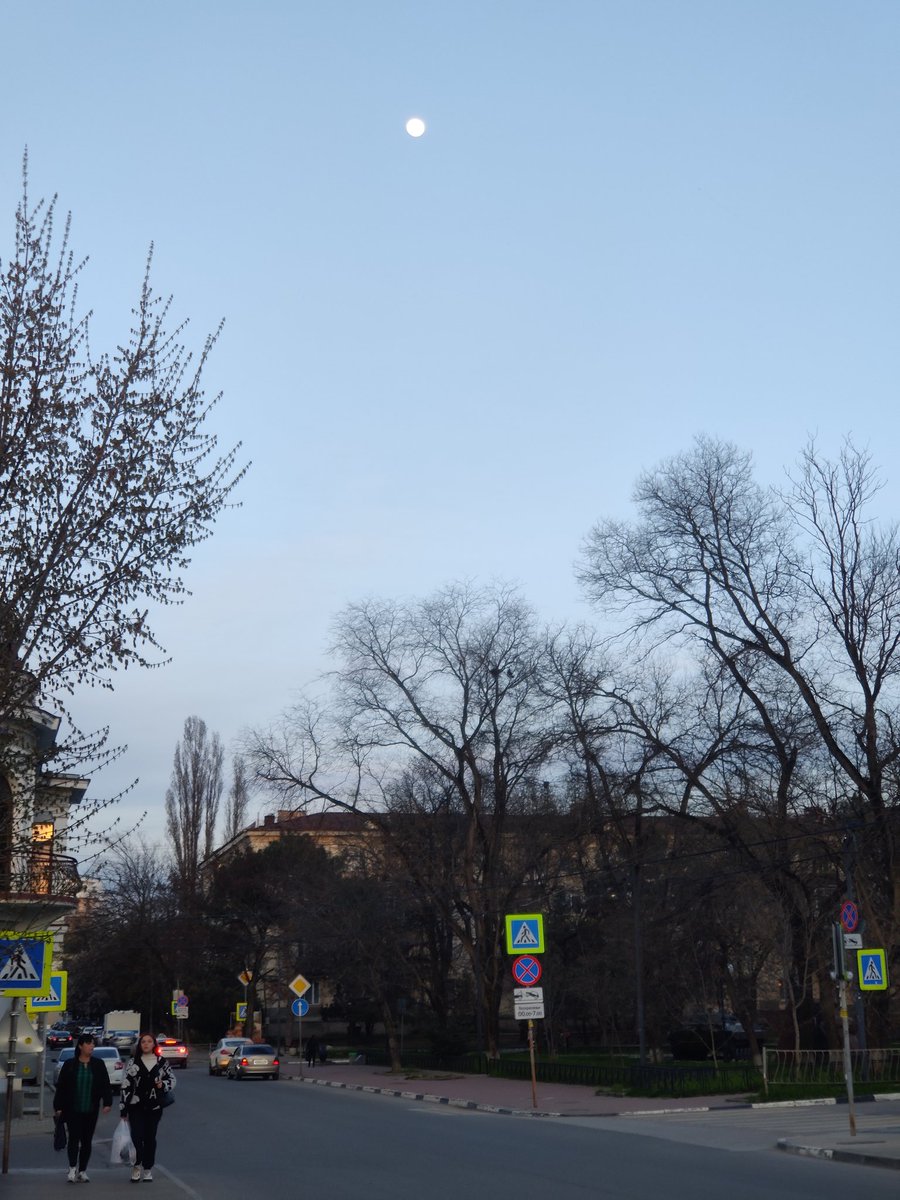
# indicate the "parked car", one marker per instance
pixel 56 1038
pixel 254 1059
pixel 697 1038
pixel 170 1048
pixel 110 1058
pixel 121 1039
pixel 220 1056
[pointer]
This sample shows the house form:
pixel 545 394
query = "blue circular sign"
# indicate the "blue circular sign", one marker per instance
pixel 300 1008
pixel 526 970
pixel 849 916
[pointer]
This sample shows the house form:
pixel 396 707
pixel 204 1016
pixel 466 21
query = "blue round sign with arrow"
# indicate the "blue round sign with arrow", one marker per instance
pixel 300 1008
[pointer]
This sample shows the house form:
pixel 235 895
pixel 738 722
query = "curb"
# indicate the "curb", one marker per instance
pixel 427 1098
pixel 845 1156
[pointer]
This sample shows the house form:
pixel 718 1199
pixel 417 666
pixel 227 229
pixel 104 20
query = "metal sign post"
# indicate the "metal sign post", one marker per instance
pixel 840 972
pixel 533 1068
pixel 10 1080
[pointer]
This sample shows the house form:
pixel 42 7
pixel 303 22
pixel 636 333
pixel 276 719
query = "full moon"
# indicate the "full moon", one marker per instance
pixel 415 126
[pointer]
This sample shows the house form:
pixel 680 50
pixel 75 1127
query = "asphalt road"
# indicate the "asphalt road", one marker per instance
pixel 225 1140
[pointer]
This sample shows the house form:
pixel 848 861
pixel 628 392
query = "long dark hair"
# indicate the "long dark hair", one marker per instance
pixel 136 1053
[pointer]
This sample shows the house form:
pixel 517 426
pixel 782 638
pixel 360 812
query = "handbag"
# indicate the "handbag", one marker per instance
pixel 60 1135
pixel 165 1099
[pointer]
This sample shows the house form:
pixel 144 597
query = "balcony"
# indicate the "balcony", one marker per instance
pixel 37 886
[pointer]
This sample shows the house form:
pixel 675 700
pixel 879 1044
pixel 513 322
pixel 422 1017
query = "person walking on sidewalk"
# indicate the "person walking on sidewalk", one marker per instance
pixel 83 1085
pixel 312 1050
pixel 148 1079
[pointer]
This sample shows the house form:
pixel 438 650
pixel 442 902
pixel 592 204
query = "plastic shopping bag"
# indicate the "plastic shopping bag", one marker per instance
pixel 122 1149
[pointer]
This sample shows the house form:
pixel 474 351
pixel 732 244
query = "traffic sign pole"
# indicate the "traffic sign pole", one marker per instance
pixel 840 972
pixel 533 1068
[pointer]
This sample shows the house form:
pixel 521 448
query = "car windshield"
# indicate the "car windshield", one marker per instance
pixel 64 1054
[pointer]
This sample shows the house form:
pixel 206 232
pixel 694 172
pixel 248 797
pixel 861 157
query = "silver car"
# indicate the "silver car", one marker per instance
pixel 220 1055
pixel 110 1058
pixel 256 1060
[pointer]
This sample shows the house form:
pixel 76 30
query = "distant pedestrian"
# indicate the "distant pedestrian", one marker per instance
pixel 148 1078
pixel 312 1050
pixel 83 1085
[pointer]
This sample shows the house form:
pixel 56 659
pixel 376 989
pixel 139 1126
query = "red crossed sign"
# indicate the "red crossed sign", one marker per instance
pixel 526 970
pixel 849 916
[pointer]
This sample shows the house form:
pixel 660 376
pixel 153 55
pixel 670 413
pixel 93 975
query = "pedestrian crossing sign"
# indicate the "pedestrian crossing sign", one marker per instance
pixel 525 933
pixel 25 959
pixel 872 970
pixel 55 999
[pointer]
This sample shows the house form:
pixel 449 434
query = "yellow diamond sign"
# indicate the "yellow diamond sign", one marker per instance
pixel 299 985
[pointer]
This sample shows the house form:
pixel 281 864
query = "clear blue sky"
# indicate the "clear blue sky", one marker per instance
pixel 626 224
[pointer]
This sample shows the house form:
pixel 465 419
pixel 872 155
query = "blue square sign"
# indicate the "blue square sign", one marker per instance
pixel 25 959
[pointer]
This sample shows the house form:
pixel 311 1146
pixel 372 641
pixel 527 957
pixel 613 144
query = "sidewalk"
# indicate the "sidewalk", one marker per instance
pixel 485 1093
pixel 37 1171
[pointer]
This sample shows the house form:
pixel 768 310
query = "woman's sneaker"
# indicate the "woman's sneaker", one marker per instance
pixel 83 1177
pixel 73 1175
pixel 135 1174
pixel 148 1177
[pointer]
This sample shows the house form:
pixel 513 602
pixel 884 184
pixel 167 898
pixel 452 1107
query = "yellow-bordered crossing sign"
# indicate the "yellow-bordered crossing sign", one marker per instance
pixel 871 970
pixel 525 933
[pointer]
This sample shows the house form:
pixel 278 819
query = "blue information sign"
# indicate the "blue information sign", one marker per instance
pixel 25 963
pixel 300 1008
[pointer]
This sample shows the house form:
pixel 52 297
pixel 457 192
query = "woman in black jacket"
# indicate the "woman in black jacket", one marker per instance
pixel 83 1083
pixel 148 1078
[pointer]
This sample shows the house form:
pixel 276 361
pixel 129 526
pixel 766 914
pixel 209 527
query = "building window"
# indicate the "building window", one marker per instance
pixel 41 857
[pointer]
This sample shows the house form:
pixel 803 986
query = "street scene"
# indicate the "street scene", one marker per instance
pixel 450 599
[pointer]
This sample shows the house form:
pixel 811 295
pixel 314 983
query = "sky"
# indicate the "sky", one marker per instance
pixel 627 224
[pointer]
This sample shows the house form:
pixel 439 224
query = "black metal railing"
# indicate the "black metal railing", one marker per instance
pixel 647 1079
pixel 40 873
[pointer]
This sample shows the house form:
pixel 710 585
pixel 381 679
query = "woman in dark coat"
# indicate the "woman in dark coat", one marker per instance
pixel 147 1079
pixel 83 1084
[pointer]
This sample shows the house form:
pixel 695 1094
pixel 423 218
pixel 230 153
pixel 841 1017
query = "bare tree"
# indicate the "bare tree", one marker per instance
pixel 796 594
pixel 238 798
pixel 450 686
pixel 108 474
pixel 192 801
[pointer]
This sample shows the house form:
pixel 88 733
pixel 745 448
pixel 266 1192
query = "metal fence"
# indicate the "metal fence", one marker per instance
pixel 647 1079
pixel 826 1067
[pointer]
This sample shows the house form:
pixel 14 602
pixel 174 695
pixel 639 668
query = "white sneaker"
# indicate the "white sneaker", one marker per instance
pixel 148 1177
pixel 73 1175
pixel 135 1174
pixel 83 1177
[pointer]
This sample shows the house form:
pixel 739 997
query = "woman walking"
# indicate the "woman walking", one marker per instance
pixel 83 1084
pixel 147 1079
